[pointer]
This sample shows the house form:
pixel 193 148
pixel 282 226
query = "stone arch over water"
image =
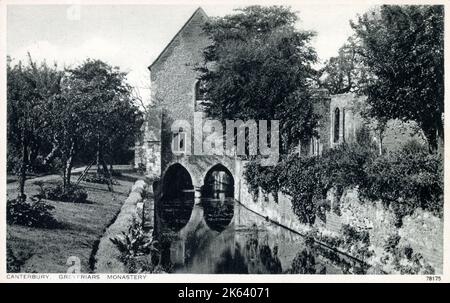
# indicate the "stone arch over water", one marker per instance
pixel 218 197
pixel 218 182
pixel 177 198
pixel 177 181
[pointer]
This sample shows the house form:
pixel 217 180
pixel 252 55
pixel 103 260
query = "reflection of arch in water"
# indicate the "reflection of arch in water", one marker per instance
pixel 177 198
pixel 218 197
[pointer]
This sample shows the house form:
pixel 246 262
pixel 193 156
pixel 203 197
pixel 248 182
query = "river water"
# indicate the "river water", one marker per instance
pixel 222 236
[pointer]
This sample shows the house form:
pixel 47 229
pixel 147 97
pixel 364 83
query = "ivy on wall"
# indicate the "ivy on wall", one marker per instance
pixel 404 180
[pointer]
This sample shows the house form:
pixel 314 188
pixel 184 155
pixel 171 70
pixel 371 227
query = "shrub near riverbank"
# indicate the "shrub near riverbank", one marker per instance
pixel 399 186
pixel 404 181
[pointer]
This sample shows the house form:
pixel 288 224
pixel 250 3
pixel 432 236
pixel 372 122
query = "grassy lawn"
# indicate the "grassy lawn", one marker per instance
pixel 82 225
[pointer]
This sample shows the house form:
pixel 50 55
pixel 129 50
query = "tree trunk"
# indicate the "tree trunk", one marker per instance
pixel 51 155
pixel 22 172
pixel 64 179
pixel 440 136
pixel 34 151
pixel 99 170
pixel 380 144
pixel 432 138
pixel 98 156
pixel 69 165
pixel 107 175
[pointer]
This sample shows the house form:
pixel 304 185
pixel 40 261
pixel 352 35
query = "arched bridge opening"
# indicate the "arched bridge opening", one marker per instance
pixel 177 199
pixel 218 197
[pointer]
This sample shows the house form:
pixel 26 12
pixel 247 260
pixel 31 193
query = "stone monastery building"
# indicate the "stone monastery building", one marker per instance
pixel 175 93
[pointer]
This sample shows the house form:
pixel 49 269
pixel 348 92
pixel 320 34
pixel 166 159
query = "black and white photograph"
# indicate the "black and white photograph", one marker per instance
pixel 296 139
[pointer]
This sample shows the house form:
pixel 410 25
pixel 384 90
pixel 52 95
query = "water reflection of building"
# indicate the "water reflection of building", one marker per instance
pixel 253 247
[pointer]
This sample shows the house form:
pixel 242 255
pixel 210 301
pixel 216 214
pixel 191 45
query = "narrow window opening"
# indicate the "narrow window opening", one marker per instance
pixel 336 125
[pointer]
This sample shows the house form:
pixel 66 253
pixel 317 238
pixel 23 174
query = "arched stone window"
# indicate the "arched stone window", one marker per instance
pixel 343 124
pixel 318 146
pixel 179 141
pixel 336 125
pixel 315 146
pixel 199 95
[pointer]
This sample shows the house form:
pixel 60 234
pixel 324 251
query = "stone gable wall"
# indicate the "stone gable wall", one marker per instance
pixel 173 79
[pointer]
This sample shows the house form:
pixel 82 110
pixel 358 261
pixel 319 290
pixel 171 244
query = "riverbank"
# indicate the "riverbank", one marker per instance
pixel 367 232
pixel 107 258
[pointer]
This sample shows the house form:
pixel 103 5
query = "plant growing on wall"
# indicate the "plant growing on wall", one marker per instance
pixel 406 180
pixel 136 243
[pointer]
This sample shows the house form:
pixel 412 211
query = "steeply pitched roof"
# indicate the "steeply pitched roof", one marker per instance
pixel 197 12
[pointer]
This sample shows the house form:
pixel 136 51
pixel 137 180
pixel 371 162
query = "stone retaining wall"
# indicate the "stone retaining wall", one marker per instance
pixel 422 231
pixel 107 256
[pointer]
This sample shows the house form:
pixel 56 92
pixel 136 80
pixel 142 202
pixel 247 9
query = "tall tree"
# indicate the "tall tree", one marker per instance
pixel 259 66
pixel 346 72
pixel 403 46
pixel 30 89
pixel 94 115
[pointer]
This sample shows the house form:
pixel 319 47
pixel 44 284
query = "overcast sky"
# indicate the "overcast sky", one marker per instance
pixel 132 36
